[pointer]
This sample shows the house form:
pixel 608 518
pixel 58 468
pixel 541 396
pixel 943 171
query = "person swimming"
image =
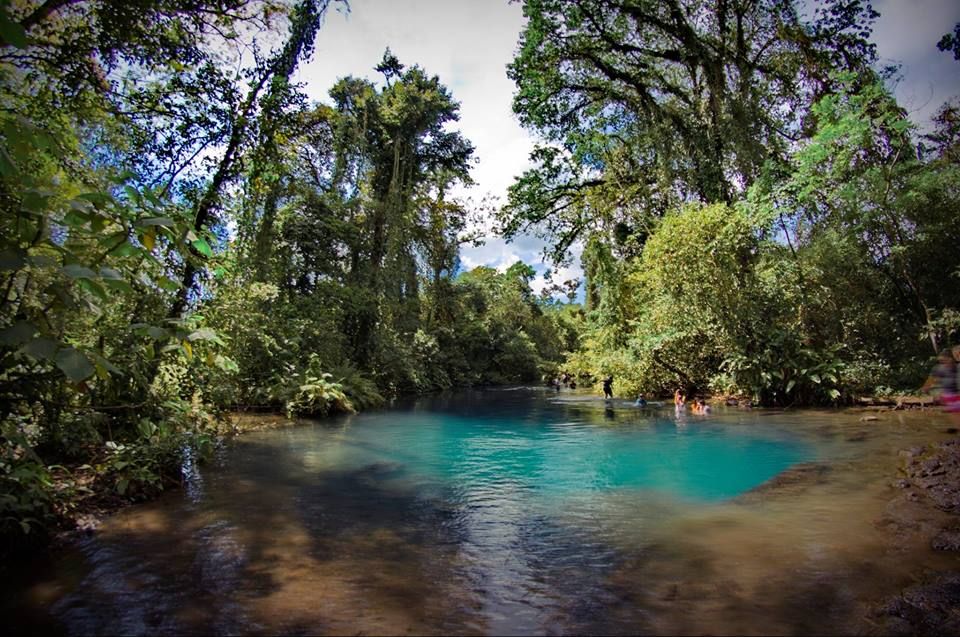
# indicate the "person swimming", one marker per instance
pixel 641 401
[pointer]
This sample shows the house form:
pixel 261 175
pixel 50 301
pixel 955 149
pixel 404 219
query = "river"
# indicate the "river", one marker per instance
pixel 508 511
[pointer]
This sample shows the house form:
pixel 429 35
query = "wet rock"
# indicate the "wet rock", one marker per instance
pixel 912 452
pixel 946 540
pixel 924 609
pixel 936 471
pixel 868 418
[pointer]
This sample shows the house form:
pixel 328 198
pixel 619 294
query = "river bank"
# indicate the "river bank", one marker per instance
pixel 89 498
pixel 926 510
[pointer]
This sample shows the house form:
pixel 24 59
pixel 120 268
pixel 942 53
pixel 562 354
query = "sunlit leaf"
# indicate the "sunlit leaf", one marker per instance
pixel 95 197
pixel 204 334
pixel 93 288
pixel 132 193
pixel 168 284
pixel 102 363
pixel 124 249
pixel 76 219
pixel 148 239
pixel 203 248
pixel 118 284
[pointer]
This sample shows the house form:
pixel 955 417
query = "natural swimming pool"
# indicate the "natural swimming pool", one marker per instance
pixel 508 511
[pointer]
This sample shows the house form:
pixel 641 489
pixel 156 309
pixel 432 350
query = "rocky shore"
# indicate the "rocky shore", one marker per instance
pixel 929 505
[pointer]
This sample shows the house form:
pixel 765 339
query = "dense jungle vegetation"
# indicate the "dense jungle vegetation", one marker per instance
pixel 184 232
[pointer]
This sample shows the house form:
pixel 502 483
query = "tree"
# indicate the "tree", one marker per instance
pixel 951 42
pixel 644 105
pixel 272 76
pixel 402 153
pixel 860 177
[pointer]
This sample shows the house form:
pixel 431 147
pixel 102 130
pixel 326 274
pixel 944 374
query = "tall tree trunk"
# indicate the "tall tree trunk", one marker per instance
pixel 303 29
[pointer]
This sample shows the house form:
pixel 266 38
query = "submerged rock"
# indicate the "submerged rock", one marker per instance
pixel 796 477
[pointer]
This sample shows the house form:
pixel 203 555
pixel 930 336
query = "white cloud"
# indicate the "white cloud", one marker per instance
pixel 907 33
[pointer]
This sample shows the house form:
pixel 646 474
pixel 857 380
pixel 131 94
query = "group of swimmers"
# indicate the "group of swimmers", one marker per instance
pixel 698 406
pixel 566 379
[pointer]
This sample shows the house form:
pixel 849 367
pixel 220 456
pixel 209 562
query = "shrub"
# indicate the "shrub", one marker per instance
pixel 318 395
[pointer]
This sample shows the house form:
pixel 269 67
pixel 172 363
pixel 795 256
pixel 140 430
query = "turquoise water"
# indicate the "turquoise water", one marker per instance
pixel 558 446
pixel 484 512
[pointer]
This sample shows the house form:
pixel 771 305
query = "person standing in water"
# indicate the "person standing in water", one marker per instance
pixel 947 377
pixel 608 387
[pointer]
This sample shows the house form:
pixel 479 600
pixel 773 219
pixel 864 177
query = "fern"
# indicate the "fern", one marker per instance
pixel 318 395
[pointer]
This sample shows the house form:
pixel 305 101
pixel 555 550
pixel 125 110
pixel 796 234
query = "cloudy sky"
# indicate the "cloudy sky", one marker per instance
pixel 468 44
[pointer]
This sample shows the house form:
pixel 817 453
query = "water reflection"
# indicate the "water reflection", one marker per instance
pixel 507 512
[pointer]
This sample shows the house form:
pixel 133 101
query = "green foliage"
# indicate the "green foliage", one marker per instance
pixel 318 395
pixel 642 106
pixel 824 238
pixel 101 189
pixel 176 239
pixel 360 390
pixel 153 457
pixel 26 494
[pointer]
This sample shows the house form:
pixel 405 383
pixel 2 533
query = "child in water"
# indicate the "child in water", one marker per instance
pixel 700 407
pixel 679 400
